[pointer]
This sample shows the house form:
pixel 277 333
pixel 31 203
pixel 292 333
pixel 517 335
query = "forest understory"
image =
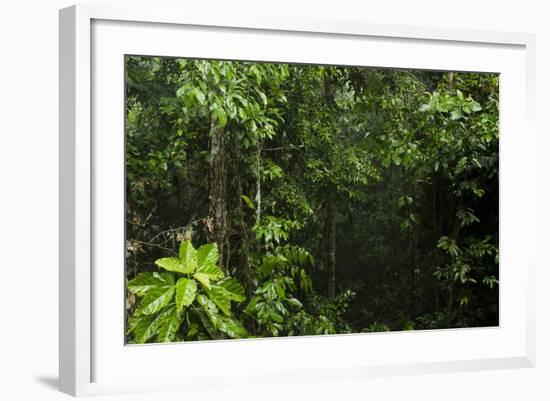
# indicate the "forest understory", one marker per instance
pixel 269 199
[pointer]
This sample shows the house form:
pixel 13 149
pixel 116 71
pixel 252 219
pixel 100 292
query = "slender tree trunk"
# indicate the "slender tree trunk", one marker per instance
pixel 258 197
pixel 218 228
pixel 331 246
pixel 242 223
pixel 450 80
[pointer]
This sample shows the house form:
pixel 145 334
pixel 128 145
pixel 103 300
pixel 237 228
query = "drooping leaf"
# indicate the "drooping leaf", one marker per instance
pixel 234 290
pixel 264 98
pixel 294 302
pixel 206 320
pixel 143 328
pixel 221 298
pixel 232 327
pixel 186 289
pixel 209 308
pixel 146 326
pixel 155 299
pixel 169 325
pixel 248 202
pixel 144 282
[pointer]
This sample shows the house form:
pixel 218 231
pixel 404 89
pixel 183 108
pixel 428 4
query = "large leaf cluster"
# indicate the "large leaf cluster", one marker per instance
pixel 190 296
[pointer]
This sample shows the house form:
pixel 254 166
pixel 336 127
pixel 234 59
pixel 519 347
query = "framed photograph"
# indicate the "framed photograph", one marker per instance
pixel 293 200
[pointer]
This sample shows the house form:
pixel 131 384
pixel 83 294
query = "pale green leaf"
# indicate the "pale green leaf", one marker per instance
pixel 186 289
pixel 167 278
pixel 212 271
pixel 144 282
pixel 203 279
pixel 188 257
pixel 210 309
pixel 208 254
pixel 155 299
pixel 170 264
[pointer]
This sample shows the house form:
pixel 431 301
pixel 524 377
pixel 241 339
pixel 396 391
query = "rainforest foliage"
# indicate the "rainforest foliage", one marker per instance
pixel 279 200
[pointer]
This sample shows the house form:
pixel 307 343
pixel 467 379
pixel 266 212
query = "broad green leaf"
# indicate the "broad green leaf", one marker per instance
pixel 170 264
pixel 144 282
pixel 212 271
pixel 210 309
pixel 211 328
pixel 143 328
pixel 221 298
pixel 169 326
pixel 234 290
pixel 232 327
pixel 188 257
pixel 207 254
pixel 167 278
pixel 155 299
pixel 186 289
pixel 203 279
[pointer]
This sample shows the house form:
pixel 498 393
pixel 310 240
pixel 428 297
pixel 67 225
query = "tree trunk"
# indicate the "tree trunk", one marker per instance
pixel 331 247
pixel 218 230
pixel 258 197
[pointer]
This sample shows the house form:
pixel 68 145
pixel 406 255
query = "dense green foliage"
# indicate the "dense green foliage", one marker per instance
pixel 276 199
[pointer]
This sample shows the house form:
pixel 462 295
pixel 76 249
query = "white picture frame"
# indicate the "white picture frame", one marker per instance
pixel 92 361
